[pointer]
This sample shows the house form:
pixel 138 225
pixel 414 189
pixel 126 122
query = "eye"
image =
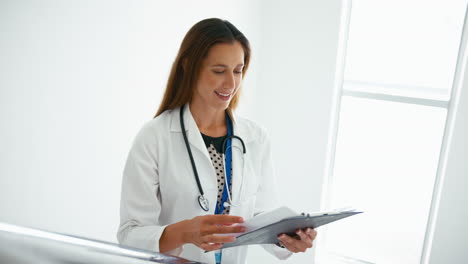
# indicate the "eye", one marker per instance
pixel 239 70
pixel 218 72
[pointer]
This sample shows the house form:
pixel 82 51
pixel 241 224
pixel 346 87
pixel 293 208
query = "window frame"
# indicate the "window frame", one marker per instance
pixel 449 102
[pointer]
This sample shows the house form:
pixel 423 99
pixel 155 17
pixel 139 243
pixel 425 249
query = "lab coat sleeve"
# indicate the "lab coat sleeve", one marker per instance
pixel 140 204
pixel 267 193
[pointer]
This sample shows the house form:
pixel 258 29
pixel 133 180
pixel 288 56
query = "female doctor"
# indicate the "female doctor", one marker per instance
pixel 196 169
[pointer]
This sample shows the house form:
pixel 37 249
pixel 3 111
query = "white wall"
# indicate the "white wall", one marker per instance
pixel 299 41
pixel 79 78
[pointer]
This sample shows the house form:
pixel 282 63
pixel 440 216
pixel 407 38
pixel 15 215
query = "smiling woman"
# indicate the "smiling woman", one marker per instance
pixel 189 63
pixel 219 81
pixel 182 160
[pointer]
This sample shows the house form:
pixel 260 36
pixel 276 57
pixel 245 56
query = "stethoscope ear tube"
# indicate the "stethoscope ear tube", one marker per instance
pixel 204 204
pixel 231 137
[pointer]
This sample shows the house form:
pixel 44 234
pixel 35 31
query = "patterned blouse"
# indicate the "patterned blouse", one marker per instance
pixel 214 146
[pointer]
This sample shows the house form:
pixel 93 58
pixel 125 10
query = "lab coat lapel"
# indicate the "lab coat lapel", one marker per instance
pixel 193 134
pixel 200 154
pixel 239 159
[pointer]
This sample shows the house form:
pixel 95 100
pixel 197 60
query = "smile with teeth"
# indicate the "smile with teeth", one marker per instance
pixel 223 94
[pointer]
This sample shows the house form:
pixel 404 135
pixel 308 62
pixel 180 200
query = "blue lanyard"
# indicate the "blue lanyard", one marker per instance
pixel 218 256
pixel 228 161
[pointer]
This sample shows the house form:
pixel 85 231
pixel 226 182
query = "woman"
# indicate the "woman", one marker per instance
pixel 176 193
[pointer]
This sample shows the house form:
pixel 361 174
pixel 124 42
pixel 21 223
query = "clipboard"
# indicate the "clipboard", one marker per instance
pixel 268 234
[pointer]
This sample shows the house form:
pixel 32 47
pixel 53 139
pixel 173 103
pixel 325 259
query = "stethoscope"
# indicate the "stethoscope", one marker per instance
pixel 227 157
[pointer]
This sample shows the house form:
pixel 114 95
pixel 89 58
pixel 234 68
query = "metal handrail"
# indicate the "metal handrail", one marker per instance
pixel 23 245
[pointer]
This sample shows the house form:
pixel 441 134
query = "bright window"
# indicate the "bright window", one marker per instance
pixel 400 65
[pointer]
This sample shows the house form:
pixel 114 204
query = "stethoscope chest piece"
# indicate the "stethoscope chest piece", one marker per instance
pixel 204 204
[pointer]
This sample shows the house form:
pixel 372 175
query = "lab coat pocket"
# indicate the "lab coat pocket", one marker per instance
pixel 249 194
pixel 246 208
pixel 250 182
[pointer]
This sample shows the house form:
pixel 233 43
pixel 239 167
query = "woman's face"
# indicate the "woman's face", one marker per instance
pixel 220 76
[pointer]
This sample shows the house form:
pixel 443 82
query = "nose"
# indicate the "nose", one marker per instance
pixel 230 81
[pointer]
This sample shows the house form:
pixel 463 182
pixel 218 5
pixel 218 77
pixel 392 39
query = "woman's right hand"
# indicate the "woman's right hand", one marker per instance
pixel 201 230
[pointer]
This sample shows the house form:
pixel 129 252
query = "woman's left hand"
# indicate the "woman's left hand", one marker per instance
pixel 302 243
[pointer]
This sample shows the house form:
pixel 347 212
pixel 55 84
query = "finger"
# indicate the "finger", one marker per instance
pixel 290 247
pixel 210 247
pixel 280 243
pixel 224 219
pixel 290 243
pixel 222 229
pixel 312 233
pixel 305 239
pixel 218 239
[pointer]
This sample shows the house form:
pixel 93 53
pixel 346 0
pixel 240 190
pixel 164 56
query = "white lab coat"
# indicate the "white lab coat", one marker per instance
pixel 159 187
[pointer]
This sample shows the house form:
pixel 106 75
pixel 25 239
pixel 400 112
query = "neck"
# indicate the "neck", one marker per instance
pixel 211 122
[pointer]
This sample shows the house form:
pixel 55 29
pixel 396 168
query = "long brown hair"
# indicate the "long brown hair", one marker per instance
pixel 194 48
